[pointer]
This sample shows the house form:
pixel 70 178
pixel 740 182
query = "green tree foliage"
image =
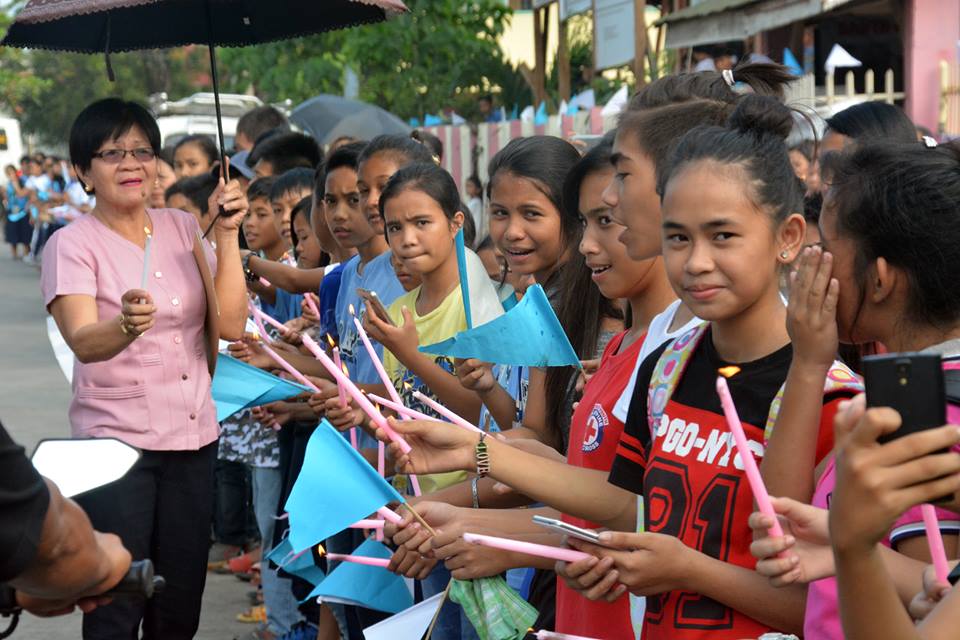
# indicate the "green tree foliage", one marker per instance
pixel 17 83
pixel 76 80
pixel 444 53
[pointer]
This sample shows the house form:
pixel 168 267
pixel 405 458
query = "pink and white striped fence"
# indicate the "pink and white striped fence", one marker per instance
pixel 459 141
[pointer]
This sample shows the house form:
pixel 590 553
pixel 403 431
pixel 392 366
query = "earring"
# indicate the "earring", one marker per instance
pixel 88 189
pixel 784 254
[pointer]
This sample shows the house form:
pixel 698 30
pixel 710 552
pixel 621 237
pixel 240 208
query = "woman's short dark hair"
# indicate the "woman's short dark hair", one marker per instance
pixel 108 119
pixel 901 202
pixel 206 144
pixel 428 178
pixel 196 189
pixel 875 121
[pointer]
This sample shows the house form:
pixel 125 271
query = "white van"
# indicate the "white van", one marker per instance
pixel 11 145
pixel 197 114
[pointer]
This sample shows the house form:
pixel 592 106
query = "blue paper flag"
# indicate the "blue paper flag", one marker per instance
pixel 335 488
pixel 541 116
pixel 238 385
pixel 431 120
pixel 528 334
pixel 301 565
pixel 790 62
pixel 464 280
pixel 366 586
pixel 515 113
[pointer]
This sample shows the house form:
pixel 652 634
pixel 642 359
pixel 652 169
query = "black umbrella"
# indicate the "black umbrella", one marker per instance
pixel 328 117
pixel 105 26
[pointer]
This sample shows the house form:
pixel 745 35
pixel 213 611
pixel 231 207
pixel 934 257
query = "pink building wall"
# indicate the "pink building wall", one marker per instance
pixel 931 33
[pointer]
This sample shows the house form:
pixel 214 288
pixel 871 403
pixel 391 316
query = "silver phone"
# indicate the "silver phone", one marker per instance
pixel 572 530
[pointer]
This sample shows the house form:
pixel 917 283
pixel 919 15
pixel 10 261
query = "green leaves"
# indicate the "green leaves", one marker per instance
pixel 442 54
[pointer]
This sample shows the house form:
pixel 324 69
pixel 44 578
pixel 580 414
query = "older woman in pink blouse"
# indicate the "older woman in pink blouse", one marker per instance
pixel 142 371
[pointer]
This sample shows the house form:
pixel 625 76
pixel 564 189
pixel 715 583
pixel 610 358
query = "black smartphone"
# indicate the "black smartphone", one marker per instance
pixel 911 383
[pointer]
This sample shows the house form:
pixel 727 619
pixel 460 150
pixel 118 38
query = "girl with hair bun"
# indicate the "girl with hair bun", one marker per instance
pixel 731 221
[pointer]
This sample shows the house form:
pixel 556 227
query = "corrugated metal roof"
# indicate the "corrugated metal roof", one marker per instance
pixel 704 8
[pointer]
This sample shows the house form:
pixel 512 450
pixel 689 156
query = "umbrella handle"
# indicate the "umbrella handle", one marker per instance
pixel 216 103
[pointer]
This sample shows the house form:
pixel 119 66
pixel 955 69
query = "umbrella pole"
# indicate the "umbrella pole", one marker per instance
pixel 216 103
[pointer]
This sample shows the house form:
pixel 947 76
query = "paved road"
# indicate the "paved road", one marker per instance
pixel 33 405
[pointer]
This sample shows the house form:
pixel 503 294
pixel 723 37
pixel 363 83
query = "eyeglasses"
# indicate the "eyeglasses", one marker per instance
pixel 116 156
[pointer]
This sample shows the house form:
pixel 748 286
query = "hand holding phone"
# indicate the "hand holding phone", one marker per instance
pixel 567 529
pixel 373 303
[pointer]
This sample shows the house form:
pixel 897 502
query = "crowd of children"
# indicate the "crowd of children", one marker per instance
pixel 691 240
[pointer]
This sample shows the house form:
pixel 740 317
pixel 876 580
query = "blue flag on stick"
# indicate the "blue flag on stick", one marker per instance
pixel 366 586
pixel 238 385
pixel 464 280
pixel 335 488
pixel 301 565
pixel 529 334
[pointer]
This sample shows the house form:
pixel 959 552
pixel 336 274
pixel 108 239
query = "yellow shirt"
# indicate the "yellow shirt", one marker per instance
pixel 443 322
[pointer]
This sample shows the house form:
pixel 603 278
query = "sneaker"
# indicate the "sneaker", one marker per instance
pixel 253 615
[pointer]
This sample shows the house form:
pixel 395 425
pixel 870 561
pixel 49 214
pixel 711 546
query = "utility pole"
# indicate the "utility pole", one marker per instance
pixel 639 41
pixel 563 62
pixel 541 31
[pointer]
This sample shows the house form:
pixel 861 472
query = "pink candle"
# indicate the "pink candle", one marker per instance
pixel 264 317
pixel 256 319
pixel 373 562
pixel 935 542
pixel 385 379
pixel 746 456
pixel 341 392
pixel 375 359
pixel 365 405
pixel 299 377
pixel 401 409
pixel 389 515
pixel 265 282
pixel 446 413
pixel 312 305
pixel 367 523
pixel 529 548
